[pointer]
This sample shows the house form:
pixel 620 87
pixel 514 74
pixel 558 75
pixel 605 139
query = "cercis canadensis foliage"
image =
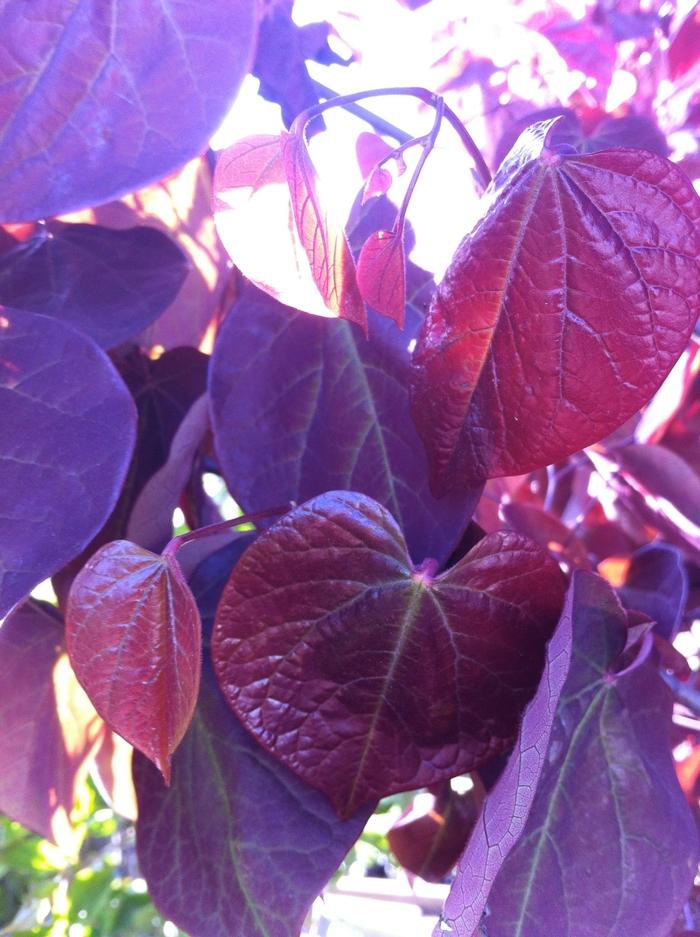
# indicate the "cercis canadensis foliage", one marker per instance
pixel 470 511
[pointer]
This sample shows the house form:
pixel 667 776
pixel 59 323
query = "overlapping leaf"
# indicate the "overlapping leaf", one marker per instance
pixel 656 584
pixel 302 405
pixel 381 274
pixel 106 98
pixel 134 639
pixel 561 312
pixel 237 844
pixel 367 676
pixel 67 427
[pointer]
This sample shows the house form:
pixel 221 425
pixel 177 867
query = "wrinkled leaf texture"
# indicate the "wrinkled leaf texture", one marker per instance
pixel 303 405
pixel 561 312
pixel 367 676
pixel 67 428
pixel 134 639
pixel 105 97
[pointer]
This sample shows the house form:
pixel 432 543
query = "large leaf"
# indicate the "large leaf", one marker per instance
pixel 302 405
pixel 366 675
pixel 48 727
pixel 134 640
pixel 105 98
pixel 610 846
pixel 561 313
pixel 237 844
pixel 108 284
pixel 67 427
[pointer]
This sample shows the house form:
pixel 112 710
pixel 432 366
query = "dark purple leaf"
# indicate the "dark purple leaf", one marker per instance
pixel 104 99
pixel 548 531
pixel 237 844
pixel 610 846
pixel 524 359
pixel 370 150
pixel 48 727
pixel 68 426
pixel 656 584
pixel 302 405
pixel 366 675
pixel 633 130
pixel 505 811
pixel 108 284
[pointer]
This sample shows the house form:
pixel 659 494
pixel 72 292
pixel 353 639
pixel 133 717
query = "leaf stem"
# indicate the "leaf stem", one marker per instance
pixel 382 126
pixel 427 149
pixel 177 542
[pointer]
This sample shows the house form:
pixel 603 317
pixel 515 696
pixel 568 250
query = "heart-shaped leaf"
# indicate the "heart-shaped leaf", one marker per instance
pixel 107 98
pixel 67 427
pixel 561 313
pixel 134 640
pixel 367 676
pixel 108 284
pixel 381 274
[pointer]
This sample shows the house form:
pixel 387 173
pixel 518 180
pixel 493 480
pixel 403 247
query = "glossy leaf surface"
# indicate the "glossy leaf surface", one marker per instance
pixel 367 676
pixel 609 822
pixel 67 427
pixel 302 405
pixel 134 639
pixel 561 313
pixel 381 274
pixel 106 98
pixel 237 844
pixel 108 284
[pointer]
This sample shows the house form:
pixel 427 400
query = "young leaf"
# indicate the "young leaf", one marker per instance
pixel 656 584
pixel 367 676
pixel 381 274
pixel 108 284
pixel 280 379
pixel 134 111
pixel 610 847
pixel 68 426
pixel 134 640
pixel 370 150
pixel 523 358
pixel 237 844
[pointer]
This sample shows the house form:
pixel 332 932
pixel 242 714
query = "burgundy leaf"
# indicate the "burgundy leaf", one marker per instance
pixel 684 50
pixel 609 847
pixel 48 727
pixel 656 584
pixel 302 405
pixel 104 99
pixel 548 531
pixel 108 284
pixel 237 844
pixel 68 426
pixel 561 313
pixel 666 478
pixel 368 676
pixel 323 240
pixel 381 274
pixel 134 640
pixel 505 811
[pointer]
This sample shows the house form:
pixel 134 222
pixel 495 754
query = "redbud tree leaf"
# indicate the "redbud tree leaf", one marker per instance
pixel 610 846
pixel 67 428
pixel 134 639
pixel 561 312
pixel 237 844
pixel 381 274
pixel 106 98
pixel 302 405
pixel 109 284
pixel 656 583
pixel 367 676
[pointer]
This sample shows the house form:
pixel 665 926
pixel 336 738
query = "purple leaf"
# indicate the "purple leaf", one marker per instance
pixel 104 99
pixel 109 284
pixel 610 846
pixel 68 427
pixel 523 350
pixel 302 405
pixel 368 676
pixel 237 844
pixel 656 584
pixel 48 727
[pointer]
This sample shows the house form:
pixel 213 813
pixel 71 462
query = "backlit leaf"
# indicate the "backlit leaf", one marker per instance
pixel 381 274
pixel 368 676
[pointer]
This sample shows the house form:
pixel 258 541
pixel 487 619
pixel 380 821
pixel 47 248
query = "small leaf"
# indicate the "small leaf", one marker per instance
pixel 656 584
pixel 253 162
pixel 378 183
pixel 367 676
pixel 370 149
pixel 381 274
pixel 134 640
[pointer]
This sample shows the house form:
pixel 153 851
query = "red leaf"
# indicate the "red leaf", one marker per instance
pixel 378 183
pixel 381 274
pixel 326 248
pixel 367 676
pixel 254 161
pixel 134 640
pixel 684 50
pixel 561 312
